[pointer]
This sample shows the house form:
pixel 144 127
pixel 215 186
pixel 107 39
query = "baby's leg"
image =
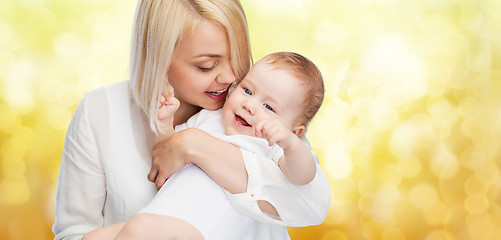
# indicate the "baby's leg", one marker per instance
pixel 147 226
pixel 191 195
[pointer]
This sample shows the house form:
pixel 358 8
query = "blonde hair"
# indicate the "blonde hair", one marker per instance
pixel 158 30
pixel 310 76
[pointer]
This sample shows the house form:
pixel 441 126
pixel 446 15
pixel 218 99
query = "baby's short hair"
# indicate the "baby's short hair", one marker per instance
pixel 309 75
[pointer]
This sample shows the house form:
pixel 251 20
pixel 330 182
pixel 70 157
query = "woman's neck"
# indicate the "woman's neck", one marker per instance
pixel 184 112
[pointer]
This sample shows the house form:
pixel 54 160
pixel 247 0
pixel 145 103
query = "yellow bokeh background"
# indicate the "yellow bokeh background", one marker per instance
pixel 409 134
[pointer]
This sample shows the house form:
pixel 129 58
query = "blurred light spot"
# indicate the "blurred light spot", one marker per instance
pixel 387 194
pixel 31 3
pixel 50 206
pixel 389 55
pixel 368 185
pixel 15 190
pixel 394 95
pixel 409 166
pixel 438 235
pixel 420 123
pixel 361 156
pixel 328 35
pixel 6 36
pixel 480 226
pixel 67 95
pixel 489 173
pixel 13 166
pixel 383 117
pixel 439 214
pixel 471 128
pixel 67 45
pixel 444 164
pixel 338 212
pixel 471 109
pixel 55 173
pixel 280 6
pixel 476 203
pixel 365 203
pixel 402 142
pixel 393 234
pixel 436 87
pixel 438 106
pixel 423 196
pixel 23 137
pixel 472 158
pixel 88 68
pixel 19 86
pixel 361 96
pixel 334 234
pixel 474 186
pixel 59 118
pixel 471 19
pixel 10 120
pixel 339 165
pixel 441 129
pixel 390 174
pixel 11 150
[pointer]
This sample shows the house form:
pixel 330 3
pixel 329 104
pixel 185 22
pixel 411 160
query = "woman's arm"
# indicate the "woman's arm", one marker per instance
pixel 252 182
pixel 221 160
pixel 81 186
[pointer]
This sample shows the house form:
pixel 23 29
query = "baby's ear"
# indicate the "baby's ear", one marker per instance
pixel 299 130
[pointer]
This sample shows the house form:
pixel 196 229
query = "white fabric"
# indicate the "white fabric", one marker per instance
pixel 106 158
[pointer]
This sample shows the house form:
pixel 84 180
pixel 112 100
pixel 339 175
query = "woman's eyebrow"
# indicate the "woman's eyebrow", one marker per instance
pixel 209 55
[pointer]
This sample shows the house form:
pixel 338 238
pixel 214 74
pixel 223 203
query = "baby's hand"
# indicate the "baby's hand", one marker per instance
pixel 275 132
pixel 167 104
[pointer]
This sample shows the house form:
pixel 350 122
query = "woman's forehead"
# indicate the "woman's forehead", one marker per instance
pixel 206 40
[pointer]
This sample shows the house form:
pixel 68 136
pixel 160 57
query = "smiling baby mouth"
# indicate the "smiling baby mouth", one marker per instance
pixel 241 121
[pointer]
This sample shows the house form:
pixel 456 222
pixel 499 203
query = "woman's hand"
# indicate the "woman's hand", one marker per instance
pixel 221 160
pixel 168 157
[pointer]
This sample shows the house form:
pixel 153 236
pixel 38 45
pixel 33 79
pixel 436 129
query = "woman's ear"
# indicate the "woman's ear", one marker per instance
pixel 299 130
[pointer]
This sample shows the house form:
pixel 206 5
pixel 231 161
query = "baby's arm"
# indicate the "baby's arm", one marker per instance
pixel 297 164
pixel 167 107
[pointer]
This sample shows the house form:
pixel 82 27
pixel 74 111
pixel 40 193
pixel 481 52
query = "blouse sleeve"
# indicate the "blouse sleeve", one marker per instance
pixel 297 205
pixel 81 189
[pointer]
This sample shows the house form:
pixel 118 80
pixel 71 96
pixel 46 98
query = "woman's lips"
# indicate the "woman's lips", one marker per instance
pixel 217 95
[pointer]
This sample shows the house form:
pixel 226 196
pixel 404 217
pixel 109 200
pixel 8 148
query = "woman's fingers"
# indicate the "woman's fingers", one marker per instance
pixel 159 182
pixel 152 175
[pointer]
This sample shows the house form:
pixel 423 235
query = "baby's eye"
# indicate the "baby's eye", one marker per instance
pixel 268 107
pixel 247 91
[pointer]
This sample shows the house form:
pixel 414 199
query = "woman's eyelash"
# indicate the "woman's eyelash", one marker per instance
pixel 205 69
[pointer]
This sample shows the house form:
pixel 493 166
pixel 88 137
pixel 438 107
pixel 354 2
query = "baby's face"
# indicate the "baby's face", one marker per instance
pixel 265 93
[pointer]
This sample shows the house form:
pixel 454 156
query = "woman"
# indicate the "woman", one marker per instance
pixel 107 154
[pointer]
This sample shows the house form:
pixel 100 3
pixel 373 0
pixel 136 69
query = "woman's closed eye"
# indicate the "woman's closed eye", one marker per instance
pixel 204 69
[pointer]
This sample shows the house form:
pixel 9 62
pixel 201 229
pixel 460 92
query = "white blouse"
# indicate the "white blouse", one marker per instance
pixel 106 159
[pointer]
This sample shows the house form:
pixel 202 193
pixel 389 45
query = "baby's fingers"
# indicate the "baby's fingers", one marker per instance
pixel 172 102
pixel 169 91
pixel 259 129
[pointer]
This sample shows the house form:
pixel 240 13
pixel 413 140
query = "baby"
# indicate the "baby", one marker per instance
pixel 267 113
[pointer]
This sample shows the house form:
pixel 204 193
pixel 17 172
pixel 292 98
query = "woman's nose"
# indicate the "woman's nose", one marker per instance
pixel 226 76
